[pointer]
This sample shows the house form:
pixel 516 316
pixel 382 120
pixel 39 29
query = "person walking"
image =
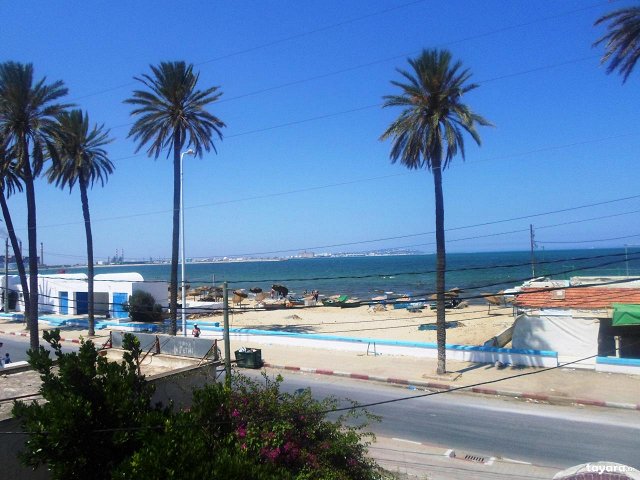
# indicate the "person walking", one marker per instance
pixel 196 331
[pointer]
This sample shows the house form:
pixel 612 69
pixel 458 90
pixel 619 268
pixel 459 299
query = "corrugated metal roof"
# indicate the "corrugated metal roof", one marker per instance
pixel 583 298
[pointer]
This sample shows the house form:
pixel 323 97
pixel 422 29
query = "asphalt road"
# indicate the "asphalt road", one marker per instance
pixel 555 436
pixel 18 346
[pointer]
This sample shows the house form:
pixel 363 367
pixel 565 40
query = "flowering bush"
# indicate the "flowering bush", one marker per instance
pixel 98 422
pixel 289 431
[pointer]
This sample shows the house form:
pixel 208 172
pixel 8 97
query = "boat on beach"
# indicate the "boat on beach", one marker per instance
pixel 342 301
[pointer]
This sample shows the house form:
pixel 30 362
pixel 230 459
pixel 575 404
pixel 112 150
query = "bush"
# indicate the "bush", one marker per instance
pixel 142 307
pixel 87 426
pixel 98 422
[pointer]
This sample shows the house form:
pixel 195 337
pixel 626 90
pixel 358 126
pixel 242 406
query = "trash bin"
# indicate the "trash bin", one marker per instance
pixel 250 358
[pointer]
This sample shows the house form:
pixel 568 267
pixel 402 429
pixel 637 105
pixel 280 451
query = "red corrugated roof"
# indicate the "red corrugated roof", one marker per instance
pixel 584 298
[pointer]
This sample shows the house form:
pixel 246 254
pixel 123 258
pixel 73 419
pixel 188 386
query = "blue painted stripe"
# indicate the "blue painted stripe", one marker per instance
pixel 398 343
pixel 628 362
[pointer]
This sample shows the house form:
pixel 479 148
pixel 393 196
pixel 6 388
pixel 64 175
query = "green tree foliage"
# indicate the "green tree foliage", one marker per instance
pixel 79 157
pixel 88 424
pixel 622 40
pixel 171 114
pixel 428 134
pixel 10 183
pixel 142 307
pixel 27 112
pixel 98 422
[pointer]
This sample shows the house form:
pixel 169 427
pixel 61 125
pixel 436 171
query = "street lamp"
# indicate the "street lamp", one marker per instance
pixel 184 284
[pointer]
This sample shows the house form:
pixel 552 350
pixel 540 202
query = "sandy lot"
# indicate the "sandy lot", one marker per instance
pixel 474 324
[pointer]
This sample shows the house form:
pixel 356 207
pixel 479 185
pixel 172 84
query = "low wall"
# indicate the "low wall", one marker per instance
pixel 177 386
pixel 465 353
pixel 618 365
pixel 169 345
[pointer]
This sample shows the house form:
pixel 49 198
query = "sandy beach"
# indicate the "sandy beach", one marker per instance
pixel 474 324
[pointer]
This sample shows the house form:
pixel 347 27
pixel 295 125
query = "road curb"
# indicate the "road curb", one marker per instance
pixel 551 399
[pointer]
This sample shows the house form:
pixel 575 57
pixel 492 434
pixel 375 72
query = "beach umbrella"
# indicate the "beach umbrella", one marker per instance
pixel 255 290
pixel 240 293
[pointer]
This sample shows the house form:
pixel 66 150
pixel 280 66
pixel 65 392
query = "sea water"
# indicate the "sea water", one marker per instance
pixel 369 276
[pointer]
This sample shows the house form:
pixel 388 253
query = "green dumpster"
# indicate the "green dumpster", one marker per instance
pixel 249 358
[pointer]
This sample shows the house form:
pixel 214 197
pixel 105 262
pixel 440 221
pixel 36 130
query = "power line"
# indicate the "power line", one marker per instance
pixel 470 297
pixel 590 241
pixel 374 275
pixel 355 19
pixel 358 406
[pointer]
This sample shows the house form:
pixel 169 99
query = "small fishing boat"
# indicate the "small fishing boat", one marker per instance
pixel 407 302
pixel 342 301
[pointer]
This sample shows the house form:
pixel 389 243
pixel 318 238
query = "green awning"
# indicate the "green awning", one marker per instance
pixel 625 314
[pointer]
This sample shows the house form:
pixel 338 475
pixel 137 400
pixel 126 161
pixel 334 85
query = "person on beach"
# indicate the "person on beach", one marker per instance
pixel 7 358
pixel 196 331
pixel 315 295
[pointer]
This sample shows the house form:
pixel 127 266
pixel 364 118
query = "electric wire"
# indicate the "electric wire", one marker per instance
pixel 419 295
pixel 397 237
pixel 364 276
pixel 359 406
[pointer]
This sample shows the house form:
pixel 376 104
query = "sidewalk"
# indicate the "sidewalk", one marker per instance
pixel 558 386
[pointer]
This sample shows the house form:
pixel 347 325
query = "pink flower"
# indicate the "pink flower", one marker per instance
pixel 235 413
pixel 241 432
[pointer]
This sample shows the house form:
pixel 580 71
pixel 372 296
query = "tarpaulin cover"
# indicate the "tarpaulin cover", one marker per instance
pixel 567 335
pixel 625 314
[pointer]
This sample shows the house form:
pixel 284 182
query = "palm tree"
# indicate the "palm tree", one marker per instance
pixel 171 115
pixel 428 133
pixel 27 111
pixel 10 182
pixel 622 40
pixel 78 156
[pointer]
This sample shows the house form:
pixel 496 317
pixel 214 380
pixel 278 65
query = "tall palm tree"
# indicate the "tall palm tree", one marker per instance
pixel 171 115
pixel 27 111
pixel 622 40
pixel 79 157
pixel 10 182
pixel 428 133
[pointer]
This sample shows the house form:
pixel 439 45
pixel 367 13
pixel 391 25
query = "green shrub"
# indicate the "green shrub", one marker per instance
pixel 142 307
pixel 98 422
pixel 87 426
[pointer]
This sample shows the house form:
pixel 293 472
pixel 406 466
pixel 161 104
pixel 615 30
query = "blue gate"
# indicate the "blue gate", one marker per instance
pixel 63 300
pixel 117 309
pixel 82 303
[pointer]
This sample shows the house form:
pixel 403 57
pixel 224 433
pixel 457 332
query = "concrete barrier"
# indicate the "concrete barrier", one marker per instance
pixel 618 365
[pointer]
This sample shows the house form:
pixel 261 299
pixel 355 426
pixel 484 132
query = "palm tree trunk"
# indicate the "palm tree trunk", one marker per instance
pixel 441 332
pixel 175 244
pixel 34 335
pixel 17 255
pixel 87 229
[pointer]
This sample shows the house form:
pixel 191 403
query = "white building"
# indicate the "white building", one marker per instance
pixel 67 293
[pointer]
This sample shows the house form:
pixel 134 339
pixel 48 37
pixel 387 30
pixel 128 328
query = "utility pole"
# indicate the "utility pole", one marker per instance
pixel 626 257
pixel 227 340
pixel 5 292
pixel 41 254
pixel 532 237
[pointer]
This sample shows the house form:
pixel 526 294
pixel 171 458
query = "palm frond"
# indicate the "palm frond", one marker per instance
pixel 622 40
pixel 429 130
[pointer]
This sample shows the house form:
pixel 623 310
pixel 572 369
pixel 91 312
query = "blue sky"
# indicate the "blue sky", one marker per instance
pixel 301 165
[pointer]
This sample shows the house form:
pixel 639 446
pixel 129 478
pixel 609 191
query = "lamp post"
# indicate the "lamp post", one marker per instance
pixel 184 284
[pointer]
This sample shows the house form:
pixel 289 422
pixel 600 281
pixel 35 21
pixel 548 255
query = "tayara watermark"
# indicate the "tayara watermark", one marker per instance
pixel 603 470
